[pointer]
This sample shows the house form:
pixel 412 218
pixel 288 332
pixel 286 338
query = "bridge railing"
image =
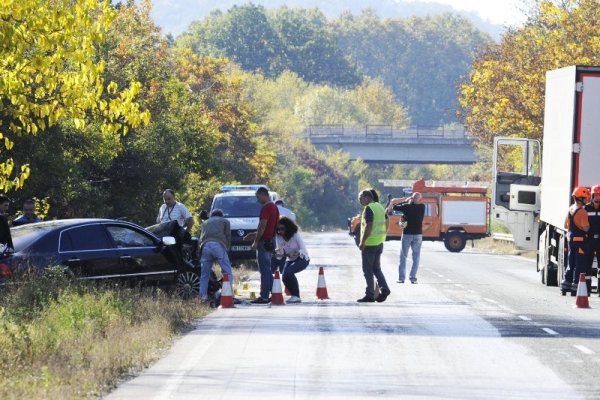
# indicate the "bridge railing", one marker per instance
pixel 383 132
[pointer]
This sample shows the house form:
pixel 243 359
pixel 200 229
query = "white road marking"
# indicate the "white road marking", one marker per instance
pixel 459 285
pixel 583 349
pixel 449 280
pixel 490 300
pixel 549 331
pixel 524 318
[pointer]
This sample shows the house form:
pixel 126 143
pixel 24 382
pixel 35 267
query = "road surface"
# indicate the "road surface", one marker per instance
pixel 476 326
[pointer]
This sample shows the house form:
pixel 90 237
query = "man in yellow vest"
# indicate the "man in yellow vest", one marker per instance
pixel 373 228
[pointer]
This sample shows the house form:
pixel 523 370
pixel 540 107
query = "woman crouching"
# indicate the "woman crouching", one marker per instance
pixel 291 245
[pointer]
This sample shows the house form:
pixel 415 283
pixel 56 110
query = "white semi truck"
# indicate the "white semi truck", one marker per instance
pixel 534 204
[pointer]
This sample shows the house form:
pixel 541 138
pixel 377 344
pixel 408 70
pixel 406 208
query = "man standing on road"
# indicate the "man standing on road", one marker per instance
pixel 373 230
pixel 577 225
pixel 215 239
pixel 264 242
pixel 285 212
pixel 593 210
pixel 412 235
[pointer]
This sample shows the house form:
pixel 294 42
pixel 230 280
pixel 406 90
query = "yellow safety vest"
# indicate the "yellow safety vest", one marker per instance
pixel 378 232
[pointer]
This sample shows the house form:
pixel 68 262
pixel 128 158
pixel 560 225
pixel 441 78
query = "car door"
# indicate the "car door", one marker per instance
pixel 140 254
pixel 88 252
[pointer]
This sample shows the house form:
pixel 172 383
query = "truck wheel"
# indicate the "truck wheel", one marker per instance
pixel 356 235
pixel 455 241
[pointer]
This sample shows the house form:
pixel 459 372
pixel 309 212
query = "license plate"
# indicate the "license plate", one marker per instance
pixel 241 248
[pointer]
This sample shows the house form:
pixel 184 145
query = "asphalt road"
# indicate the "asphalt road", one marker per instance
pixel 476 326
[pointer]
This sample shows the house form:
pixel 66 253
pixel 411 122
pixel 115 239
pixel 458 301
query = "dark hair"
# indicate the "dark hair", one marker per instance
pixel 279 202
pixel 217 212
pixel 262 190
pixel 29 201
pixel 366 193
pixel 169 191
pixel 375 195
pixel 290 227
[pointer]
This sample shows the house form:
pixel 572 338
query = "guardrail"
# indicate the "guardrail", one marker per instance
pixel 505 237
pixel 376 132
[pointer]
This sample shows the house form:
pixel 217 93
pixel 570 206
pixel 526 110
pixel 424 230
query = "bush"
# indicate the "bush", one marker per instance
pixel 64 338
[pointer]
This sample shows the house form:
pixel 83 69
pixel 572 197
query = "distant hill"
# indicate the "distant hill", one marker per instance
pixel 174 16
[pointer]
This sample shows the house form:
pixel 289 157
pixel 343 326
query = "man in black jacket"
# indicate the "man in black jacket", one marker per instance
pixel 412 235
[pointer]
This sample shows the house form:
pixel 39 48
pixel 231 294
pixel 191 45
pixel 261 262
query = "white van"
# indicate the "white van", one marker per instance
pixel 241 208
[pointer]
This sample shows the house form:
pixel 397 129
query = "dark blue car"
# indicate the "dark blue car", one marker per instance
pixel 101 249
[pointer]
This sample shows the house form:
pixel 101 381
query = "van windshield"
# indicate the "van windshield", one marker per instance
pixel 243 206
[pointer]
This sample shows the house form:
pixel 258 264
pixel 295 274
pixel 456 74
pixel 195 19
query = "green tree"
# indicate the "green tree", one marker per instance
pixel 421 59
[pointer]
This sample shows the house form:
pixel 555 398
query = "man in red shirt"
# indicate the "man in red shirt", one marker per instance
pixel 264 243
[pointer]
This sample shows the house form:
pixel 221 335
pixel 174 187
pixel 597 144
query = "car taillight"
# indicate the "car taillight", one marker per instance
pixel 5 271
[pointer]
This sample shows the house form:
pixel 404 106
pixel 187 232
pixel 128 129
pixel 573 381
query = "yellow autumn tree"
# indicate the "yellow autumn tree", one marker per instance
pixel 504 94
pixel 51 69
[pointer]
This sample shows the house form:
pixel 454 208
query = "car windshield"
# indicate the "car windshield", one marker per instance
pixel 238 206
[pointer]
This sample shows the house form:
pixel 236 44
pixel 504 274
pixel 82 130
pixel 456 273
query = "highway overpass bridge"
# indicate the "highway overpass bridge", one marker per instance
pixel 382 144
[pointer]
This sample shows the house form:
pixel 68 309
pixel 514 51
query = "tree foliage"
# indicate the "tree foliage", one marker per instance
pixel 504 94
pixel 422 59
pixel 271 42
pixel 51 70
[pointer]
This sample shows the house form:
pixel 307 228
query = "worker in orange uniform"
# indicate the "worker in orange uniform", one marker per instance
pixel 578 225
pixel 593 211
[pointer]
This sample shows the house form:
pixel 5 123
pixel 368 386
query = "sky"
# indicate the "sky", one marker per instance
pixel 502 12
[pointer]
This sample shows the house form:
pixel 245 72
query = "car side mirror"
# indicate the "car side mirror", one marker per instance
pixel 168 240
pixel 204 215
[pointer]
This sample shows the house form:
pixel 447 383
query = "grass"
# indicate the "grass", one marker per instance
pixel 491 245
pixel 63 338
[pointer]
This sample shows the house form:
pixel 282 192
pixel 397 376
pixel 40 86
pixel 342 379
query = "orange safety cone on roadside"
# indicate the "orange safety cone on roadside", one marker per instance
pixel 582 300
pixel 226 293
pixel 276 295
pixel 321 286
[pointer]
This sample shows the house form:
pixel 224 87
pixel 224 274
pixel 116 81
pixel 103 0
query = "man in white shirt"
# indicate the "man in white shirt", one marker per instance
pixel 173 210
pixel 285 212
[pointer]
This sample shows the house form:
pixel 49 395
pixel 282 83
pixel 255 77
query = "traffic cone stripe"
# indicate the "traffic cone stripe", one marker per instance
pixel 582 300
pixel 276 295
pixel 321 286
pixel 226 293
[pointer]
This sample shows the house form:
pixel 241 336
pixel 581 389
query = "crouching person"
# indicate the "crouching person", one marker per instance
pixel 291 246
pixel 215 239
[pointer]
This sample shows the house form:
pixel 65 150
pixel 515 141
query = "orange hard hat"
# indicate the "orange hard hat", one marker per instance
pixel 581 191
pixel 596 189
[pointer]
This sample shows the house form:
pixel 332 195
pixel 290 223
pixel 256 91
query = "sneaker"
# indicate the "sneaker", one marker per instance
pixel 260 300
pixel 294 299
pixel 413 281
pixel 383 295
pixel 400 281
pixel 366 299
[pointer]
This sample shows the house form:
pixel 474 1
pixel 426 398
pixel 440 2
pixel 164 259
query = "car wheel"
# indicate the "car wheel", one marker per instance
pixel 187 285
pixel 455 241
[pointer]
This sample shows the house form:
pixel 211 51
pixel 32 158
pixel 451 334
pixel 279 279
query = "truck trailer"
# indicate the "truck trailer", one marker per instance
pixel 533 204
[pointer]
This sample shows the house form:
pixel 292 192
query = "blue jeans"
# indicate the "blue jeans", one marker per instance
pixel 211 252
pixel 413 242
pixel 290 269
pixel 263 259
pixel 371 266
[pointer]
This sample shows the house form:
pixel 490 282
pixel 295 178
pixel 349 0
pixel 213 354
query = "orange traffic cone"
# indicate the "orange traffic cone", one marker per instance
pixel 226 293
pixel 321 287
pixel 276 295
pixel 582 294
